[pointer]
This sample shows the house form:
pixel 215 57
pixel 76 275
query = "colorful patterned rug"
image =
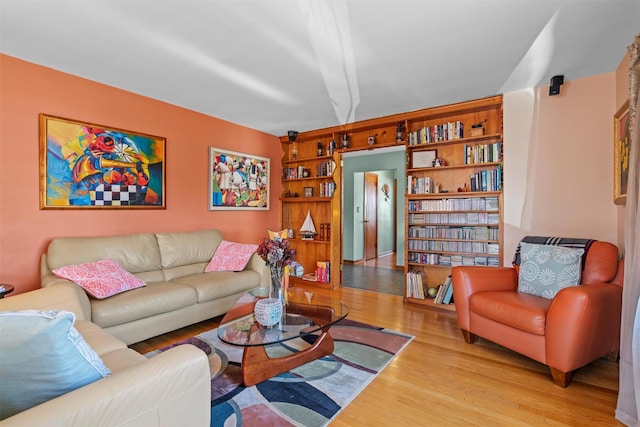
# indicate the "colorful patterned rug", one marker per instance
pixel 310 395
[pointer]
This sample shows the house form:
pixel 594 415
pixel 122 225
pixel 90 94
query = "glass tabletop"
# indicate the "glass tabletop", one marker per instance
pixel 306 313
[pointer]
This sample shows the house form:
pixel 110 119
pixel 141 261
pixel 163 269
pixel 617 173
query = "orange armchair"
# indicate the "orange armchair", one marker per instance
pixel 580 324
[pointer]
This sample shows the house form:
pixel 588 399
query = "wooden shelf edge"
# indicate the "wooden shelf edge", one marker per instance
pixel 299 240
pixel 462 194
pixel 309 178
pixel 467 139
pixel 450 167
pixel 306 159
pixel 299 280
pixel 429 302
pixel 304 199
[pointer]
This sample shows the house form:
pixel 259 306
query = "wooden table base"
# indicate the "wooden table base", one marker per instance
pixel 257 366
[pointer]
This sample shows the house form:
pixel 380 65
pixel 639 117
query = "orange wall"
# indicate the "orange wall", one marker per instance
pixel 27 89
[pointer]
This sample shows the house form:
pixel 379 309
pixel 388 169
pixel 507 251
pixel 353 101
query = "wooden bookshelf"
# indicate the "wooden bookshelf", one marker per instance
pixel 453 206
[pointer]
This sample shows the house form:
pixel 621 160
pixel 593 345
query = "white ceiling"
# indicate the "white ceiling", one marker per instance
pixel 275 65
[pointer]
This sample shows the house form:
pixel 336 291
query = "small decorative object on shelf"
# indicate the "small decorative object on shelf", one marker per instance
pixel 439 161
pixel 320 149
pixel 372 139
pixel 399 132
pixel 345 143
pixel 477 129
pixel 293 136
pixel 331 146
pixel 308 230
pixel 268 311
pixel 308 191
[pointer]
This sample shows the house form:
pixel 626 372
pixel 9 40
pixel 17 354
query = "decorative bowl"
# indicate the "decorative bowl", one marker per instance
pixel 268 311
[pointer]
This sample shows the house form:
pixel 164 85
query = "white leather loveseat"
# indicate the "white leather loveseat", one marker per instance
pixel 178 292
pixel 172 388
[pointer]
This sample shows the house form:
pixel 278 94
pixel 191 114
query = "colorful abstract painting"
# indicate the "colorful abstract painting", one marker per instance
pixel 621 150
pixel 84 165
pixel 237 180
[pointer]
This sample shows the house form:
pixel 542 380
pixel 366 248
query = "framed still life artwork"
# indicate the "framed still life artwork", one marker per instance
pixel 621 147
pixel 90 166
pixel 238 181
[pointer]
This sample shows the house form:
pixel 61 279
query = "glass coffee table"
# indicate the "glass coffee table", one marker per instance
pixel 306 314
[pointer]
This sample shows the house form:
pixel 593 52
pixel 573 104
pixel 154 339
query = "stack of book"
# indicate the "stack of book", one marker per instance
pixel 445 293
pixel 415 284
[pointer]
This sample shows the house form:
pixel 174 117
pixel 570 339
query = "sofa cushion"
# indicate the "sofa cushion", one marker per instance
pixel 135 253
pixel 188 247
pixel 43 356
pixel 219 284
pixel 525 312
pixel 101 279
pixel 231 256
pixel 151 300
pixel 546 269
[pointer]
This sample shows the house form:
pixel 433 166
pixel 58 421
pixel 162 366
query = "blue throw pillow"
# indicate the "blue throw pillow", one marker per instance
pixel 546 269
pixel 42 356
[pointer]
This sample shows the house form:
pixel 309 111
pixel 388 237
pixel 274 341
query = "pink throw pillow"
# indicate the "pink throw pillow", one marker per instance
pixel 100 279
pixel 230 256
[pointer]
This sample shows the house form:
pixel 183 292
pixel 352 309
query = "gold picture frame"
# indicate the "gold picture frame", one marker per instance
pixel 90 166
pixel 621 147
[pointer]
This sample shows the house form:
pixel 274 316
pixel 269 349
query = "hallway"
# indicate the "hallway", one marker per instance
pixel 378 275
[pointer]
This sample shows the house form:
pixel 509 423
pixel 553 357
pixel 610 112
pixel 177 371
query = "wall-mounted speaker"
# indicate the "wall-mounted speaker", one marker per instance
pixel 556 82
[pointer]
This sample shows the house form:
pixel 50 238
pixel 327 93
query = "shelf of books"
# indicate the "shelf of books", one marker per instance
pixel 454 203
pixel 310 187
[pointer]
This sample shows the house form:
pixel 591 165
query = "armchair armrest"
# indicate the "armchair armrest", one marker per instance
pixel 468 280
pixel 583 324
pixel 171 388
pixel 59 294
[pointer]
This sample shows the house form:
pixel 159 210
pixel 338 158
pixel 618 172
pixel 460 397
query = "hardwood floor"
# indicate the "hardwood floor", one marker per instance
pixel 438 380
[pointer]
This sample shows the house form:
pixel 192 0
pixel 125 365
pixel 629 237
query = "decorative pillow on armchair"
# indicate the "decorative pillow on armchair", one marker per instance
pixel 43 356
pixel 100 279
pixel 230 256
pixel 546 269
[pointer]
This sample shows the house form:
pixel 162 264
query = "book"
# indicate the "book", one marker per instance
pixel 448 295
pixel 442 291
pixel 439 295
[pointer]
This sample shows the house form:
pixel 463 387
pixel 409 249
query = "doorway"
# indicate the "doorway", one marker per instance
pixel 370 220
pixel 373 219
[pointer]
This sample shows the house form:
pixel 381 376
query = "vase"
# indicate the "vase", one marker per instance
pixel 276 289
pixel 268 311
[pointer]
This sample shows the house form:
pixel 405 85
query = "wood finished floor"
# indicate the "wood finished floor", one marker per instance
pixel 438 380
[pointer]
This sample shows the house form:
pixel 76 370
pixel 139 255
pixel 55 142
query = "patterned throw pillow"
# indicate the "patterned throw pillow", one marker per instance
pixel 546 269
pixel 43 356
pixel 280 235
pixel 230 256
pixel 100 279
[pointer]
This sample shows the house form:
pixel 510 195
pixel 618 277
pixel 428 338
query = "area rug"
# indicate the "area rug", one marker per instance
pixel 310 395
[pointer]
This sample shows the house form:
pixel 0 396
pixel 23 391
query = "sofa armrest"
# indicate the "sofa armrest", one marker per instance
pixel 256 263
pixel 172 388
pixel 583 324
pixel 59 294
pixel 468 280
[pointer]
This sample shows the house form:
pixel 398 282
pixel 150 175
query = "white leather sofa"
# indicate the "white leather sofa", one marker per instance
pixel 178 292
pixel 172 388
